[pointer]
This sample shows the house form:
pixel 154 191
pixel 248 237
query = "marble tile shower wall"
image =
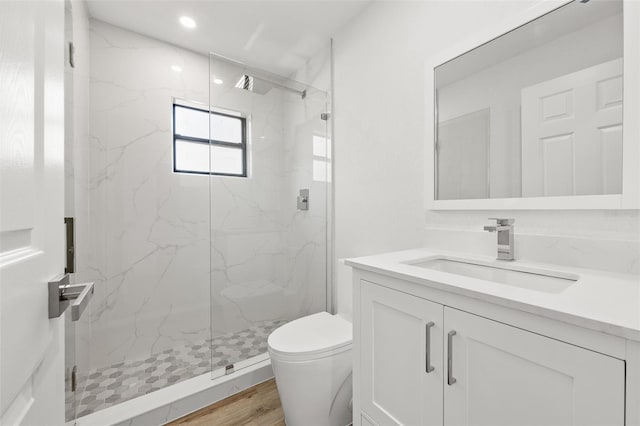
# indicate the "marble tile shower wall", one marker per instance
pixel 268 257
pixel 149 227
pixel 306 238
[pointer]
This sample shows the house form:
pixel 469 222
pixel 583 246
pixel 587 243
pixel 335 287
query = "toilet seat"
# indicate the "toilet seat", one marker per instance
pixel 311 337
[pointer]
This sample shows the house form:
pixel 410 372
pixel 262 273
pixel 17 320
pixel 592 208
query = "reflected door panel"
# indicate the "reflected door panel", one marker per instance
pixel 572 133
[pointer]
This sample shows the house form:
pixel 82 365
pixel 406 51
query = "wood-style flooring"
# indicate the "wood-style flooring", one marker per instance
pixel 256 406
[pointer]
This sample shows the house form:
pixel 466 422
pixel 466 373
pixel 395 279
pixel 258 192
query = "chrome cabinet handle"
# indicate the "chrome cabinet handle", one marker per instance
pixel 450 379
pixel 429 368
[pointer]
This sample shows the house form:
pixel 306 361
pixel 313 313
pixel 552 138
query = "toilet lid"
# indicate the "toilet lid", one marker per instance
pixel 317 333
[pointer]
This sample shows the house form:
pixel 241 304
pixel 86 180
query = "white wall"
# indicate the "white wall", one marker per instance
pixel 379 96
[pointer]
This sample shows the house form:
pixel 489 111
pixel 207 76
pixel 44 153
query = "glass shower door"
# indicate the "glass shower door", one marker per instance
pixel 269 218
pixel 142 224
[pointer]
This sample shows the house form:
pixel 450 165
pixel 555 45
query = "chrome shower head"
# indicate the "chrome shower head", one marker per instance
pixel 253 84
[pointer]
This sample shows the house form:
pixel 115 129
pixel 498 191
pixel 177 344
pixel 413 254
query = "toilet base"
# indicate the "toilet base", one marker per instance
pixel 315 392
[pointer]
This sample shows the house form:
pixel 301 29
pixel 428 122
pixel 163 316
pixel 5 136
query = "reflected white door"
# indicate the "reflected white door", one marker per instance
pixel 397 389
pixel 572 133
pixel 31 210
pixel 508 376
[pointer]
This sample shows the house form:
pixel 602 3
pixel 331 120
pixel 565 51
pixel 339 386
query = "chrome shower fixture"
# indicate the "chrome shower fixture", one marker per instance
pixel 262 87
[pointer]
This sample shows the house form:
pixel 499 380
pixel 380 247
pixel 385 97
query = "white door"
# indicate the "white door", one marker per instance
pixel 572 133
pixel 31 210
pixel 396 386
pixel 507 376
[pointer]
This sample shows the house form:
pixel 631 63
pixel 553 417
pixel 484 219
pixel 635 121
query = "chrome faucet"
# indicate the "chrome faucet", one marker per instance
pixel 504 228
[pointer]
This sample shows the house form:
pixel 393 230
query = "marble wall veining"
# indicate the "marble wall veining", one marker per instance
pixel 149 227
pixel 268 257
pixel 307 166
pixel 379 92
pixel 317 72
pixel 157 276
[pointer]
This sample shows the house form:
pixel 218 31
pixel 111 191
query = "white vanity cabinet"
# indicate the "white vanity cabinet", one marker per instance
pixel 508 376
pixel 401 357
pixel 419 362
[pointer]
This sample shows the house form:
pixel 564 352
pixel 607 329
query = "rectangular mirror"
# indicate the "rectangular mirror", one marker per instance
pixel 534 112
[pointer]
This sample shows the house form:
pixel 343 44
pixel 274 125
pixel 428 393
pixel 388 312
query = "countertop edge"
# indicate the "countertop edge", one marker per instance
pixel 534 309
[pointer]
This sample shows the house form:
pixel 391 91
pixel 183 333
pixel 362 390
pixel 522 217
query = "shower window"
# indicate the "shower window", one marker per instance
pixel 209 142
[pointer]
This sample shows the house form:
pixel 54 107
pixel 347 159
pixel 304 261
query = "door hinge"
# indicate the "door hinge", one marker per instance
pixel 74 378
pixel 70 251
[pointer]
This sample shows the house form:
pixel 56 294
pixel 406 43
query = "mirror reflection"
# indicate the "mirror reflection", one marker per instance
pixel 536 112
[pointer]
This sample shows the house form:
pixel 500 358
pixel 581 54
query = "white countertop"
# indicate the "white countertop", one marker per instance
pixel 599 300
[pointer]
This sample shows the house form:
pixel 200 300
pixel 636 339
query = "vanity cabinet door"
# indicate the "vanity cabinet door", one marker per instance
pixel 502 375
pixel 401 357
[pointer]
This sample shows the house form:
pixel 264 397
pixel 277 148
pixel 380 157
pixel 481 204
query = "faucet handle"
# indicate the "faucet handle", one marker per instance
pixel 503 222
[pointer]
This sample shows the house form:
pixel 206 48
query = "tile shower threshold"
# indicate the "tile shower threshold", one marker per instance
pixel 175 401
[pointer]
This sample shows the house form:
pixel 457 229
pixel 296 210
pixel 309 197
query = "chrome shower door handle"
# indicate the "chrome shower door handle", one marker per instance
pixel 450 379
pixel 62 295
pixel 428 367
pixel 80 294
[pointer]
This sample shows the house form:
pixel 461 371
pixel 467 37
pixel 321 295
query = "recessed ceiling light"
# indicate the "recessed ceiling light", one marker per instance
pixel 187 22
pixel 217 81
pixel 176 68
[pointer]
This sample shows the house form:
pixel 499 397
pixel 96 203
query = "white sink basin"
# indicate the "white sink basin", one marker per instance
pixel 507 273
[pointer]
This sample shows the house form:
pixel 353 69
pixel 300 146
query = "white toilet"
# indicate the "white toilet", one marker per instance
pixel 311 359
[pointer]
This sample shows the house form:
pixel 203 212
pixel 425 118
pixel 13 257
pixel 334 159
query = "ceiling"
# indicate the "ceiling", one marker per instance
pixel 278 36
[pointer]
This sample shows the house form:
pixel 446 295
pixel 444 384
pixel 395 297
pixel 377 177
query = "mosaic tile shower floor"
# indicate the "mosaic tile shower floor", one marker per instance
pixel 117 383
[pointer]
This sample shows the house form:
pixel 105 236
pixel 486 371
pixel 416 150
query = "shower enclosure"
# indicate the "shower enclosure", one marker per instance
pixel 268 251
pixel 206 220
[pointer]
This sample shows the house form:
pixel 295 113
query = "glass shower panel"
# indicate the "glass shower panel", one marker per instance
pixel 77 362
pixel 268 257
pixel 143 228
pixel 76 155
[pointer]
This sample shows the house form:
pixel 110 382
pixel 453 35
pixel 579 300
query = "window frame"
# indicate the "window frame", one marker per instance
pixel 242 146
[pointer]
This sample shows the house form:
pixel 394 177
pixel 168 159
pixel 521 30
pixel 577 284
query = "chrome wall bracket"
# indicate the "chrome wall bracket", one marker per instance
pixel 62 295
